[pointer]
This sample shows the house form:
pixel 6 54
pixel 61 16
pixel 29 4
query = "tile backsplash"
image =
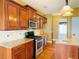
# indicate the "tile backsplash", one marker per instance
pixel 6 36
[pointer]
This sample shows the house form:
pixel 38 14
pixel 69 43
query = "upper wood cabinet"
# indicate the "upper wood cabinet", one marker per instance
pixel 44 20
pixel 23 18
pixel 31 13
pixel 12 15
pixel 41 21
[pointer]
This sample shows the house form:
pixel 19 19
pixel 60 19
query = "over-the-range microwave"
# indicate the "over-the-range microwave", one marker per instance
pixel 33 24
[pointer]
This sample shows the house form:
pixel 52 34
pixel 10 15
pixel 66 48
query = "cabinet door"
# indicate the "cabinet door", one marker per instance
pixel 44 20
pixel 19 54
pixel 31 14
pixel 61 51
pixel 12 15
pixel 23 21
pixel 29 50
pixel 75 52
pixel 41 22
pixel 37 18
pixel 69 51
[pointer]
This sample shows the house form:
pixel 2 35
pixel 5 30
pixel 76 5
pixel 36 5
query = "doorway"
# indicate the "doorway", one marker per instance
pixel 62 30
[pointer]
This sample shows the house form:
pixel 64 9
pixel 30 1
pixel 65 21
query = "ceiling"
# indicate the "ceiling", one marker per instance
pixel 50 6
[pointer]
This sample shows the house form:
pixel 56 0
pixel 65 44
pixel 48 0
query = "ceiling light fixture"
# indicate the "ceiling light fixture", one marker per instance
pixel 66 10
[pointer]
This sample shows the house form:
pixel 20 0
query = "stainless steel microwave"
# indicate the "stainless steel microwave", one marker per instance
pixel 32 24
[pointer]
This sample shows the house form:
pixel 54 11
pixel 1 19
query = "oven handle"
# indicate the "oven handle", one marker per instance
pixel 39 40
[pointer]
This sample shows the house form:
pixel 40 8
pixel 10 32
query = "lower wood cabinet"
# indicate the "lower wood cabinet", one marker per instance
pixel 60 51
pixel 75 54
pixel 63 51
pixel 29 50
pixel 20 54
pixel 23 51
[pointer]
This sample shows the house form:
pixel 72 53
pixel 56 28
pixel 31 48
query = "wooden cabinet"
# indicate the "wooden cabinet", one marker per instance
pixel 24 51
pixel 23 21
pixel 66 51
pixel 31 13
pixel 20 55
pixel 75 52
pixel 41 21
pixel 60 51
pixel 2 15
pixel 19 52
pixel 44 20
pixel 29 50
pixel 16 16
pixel 12 15
pixel 38 20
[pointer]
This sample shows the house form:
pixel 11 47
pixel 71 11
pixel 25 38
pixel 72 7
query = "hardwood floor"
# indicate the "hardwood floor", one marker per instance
pixel 47 53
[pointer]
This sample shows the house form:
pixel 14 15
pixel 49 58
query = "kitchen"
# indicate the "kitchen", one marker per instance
pixel 25 32
pixel 19 27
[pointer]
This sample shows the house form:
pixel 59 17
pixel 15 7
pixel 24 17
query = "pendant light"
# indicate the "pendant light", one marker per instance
pixel 68 14
pixel 66 10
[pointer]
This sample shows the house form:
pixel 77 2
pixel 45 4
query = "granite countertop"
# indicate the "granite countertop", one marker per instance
pixel 15 43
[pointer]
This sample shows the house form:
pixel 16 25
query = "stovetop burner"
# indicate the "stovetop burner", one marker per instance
pixel 37 37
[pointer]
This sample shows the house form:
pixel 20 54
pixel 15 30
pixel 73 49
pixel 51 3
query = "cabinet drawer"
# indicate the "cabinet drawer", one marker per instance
pixel 18 48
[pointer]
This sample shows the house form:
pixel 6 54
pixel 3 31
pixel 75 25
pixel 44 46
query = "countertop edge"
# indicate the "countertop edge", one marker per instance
pixel 5 46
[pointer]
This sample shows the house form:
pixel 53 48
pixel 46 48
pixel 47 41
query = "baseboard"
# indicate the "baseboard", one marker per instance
pixel 54 39
pixel 49 41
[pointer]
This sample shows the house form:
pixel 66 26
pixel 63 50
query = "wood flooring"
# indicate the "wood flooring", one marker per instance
pixel 47 52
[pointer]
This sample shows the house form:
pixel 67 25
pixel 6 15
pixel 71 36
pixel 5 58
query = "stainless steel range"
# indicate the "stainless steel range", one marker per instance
pixel 38 42
pixel 39 45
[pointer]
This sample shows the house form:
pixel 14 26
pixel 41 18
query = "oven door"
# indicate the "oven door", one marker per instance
pixel 39 46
